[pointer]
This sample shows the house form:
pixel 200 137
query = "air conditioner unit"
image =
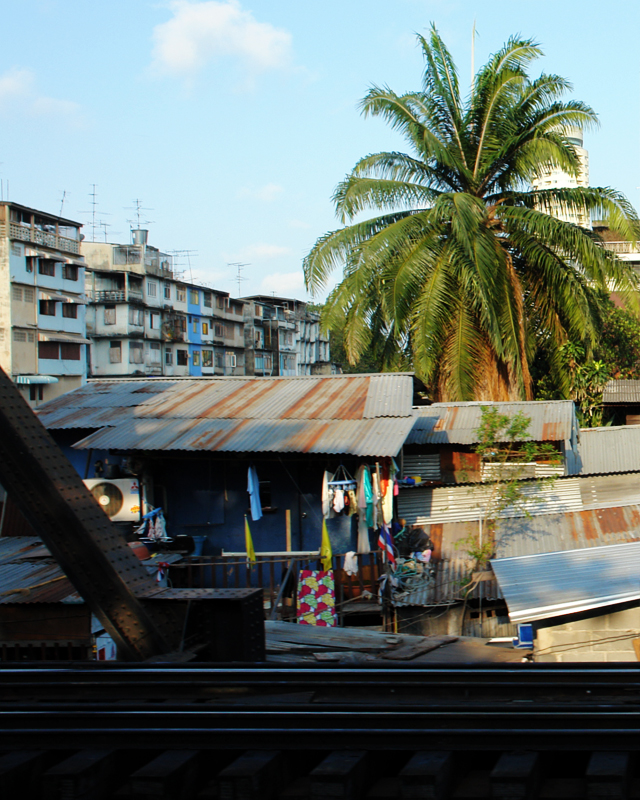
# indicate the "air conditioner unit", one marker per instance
pixel 119 498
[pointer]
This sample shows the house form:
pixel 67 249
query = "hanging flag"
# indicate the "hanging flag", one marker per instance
pixel 325 547
pixel 385 543
pixel 248 542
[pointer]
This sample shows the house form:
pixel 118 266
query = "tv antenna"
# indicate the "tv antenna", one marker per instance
pixel 64 197
pixel 94 205
pixel 137 209
pixel 239 276
pixel 179 259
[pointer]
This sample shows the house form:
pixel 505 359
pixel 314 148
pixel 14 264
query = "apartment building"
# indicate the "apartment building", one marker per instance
pixel 42 302
pixel 282 337
pixel 143 319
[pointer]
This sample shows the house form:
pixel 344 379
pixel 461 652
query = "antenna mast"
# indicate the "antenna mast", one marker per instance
pixel 239 276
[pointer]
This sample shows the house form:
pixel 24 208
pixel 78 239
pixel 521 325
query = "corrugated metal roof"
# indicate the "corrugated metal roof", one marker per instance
pixel 379 437
pixel 457 423
pixel 567 582
pixel 428 506
pixel 40 582
pixel 359 414
pixel 620 391
pixel 19 548
pixel 609 514
pixel 606 450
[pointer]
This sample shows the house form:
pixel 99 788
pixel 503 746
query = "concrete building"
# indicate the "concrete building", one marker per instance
pixel 282 337
pixel 145 320
pixel 559 179
pixel 42 302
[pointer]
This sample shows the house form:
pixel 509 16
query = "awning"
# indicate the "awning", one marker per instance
pixel 31 379
pixel 45 294
pixel 61 337
pixel 35 252
pixel 570 581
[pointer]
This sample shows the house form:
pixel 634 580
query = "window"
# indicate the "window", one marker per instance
pixel 70 310
pixel 264 362
pixel 237 309
pixel 48 350
pixel 220 330
pixel 110 315
pixel 229 359
pixel 207 358
pixel 154 353
pixel 286 338
pixel 287 365
pixel 19 336
pixel 70 272
pixel 126 255
pixel 206 299
pixel 182 358
pixel 194 324
pixel 47 267
pixel 35 392
pixel 219 360
pixel 48 308
pixel 28 294
pixel 205 328
pixel 115 352
pixel 154 321
pixel 167 291
pixel 135 353
pixel 69 351
pixel 196 358
pixel 220 301
pixel 16 293
pixel 136 316
pixel 168 357
pixel 181 295
pixel 258 338
pixel 194 297
pixel 152 289
pixel 30 260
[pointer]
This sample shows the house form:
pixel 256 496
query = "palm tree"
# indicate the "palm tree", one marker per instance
pixel 465 271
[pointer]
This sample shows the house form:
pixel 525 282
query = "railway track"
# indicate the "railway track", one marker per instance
pixel 261 731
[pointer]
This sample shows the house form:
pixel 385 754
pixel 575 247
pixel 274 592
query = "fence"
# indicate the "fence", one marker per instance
pixel 277 576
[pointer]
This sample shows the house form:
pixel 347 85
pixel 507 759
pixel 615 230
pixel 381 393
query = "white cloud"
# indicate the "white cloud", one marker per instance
pixel 200 32
pixel 286 284
pixel 18 92
pixel 266 193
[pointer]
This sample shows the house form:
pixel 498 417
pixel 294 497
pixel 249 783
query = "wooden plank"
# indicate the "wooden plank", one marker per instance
pixel 342 774
pixel 408 651
pixel 608 775
pixel 255 775
pixel 340 638
pixel 173 775
pixel 427 775
pixel 20 773
pixel 516 775
pixel 87 774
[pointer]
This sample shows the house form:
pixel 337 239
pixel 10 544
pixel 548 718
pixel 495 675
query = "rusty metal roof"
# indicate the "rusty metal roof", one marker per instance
pixel 39 582
pixel 457 423
pixel 606 450
pixel 609 514
pixel 358 414
pixel 620 391
pixel 367 437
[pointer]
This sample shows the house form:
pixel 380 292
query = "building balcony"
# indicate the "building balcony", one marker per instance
pixel 25 233
pixel 108 296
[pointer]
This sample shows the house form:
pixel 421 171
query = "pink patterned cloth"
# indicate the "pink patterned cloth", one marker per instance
pixel 317 598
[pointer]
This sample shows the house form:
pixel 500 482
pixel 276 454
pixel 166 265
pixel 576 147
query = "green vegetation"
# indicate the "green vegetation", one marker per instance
pixel 507 453
pixel 464 273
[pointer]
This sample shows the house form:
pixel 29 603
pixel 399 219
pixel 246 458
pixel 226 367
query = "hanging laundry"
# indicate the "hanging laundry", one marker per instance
pixel 253 487
pixel 363 534
pixel 350 565
pixel 338 500
pixel 388 485
pixel 317 598
pixel 353 502
pixel 327 495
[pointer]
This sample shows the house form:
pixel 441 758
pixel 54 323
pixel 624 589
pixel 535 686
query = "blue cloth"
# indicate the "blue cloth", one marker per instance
pixel 253 487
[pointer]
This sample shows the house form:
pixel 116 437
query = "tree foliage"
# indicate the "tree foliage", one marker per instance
pixel 464 271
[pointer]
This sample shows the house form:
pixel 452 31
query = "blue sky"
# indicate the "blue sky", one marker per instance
pixel 233 120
